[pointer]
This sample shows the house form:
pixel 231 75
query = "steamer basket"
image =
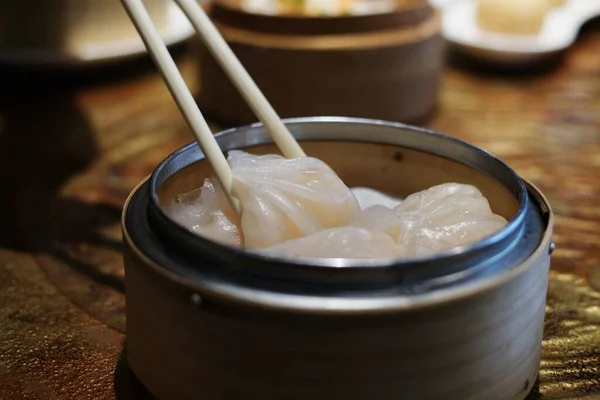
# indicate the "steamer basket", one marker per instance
pixel 207 321
pixel 385 66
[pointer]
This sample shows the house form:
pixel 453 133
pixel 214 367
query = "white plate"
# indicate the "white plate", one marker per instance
pixel 559 31
pixel 176 30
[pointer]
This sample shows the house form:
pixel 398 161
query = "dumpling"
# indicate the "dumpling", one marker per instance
pixel 443 217
pixel 207 212
pixel 344 242
pixel 284 199
pixel 379 218
pixel 521 17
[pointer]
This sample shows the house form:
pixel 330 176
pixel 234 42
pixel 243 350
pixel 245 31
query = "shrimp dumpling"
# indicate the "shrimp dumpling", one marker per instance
pixel 521 17
pixel 343 242
pixel 207 212
pixel 444 217
pixel 284 199
pixel 379 218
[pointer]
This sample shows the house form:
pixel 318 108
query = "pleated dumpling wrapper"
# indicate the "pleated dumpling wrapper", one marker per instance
pixel 444 217
pixel 207 212
pixel 284 199
pixel 344 242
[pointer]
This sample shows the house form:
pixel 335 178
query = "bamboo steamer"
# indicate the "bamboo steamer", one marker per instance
pixel 382 66
pixel 212 322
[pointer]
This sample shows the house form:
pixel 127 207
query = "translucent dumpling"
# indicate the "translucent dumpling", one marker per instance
pixel 344 242
pixel 207 212
pixel 512 16
pixel 284 199
pixel 379 218
pixel 443 217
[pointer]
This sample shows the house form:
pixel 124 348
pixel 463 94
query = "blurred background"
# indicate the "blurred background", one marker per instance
pixel 84 117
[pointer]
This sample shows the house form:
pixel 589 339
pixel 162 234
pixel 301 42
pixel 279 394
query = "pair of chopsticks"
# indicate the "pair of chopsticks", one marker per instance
pixel 184 99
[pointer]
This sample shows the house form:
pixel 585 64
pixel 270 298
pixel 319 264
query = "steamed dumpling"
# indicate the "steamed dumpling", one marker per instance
pixel 521 17
pixel 443 217
pixel 379 218
pixel 284 199
pixel 207 212
pixel 301 208
pixel 344 242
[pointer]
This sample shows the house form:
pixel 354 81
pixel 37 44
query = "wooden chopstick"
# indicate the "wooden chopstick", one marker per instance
pixel 240 78
pixel 180 92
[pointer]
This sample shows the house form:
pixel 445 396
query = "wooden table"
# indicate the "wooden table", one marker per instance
pixel 73 145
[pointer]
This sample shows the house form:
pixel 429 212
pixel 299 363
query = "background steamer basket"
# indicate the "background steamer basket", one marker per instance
pixel 471 328
pixel 384 66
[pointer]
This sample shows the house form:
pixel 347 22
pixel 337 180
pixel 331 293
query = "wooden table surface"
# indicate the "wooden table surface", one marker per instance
pixel 73 144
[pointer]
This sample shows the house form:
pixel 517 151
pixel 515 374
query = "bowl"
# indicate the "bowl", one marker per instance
pixel 204 319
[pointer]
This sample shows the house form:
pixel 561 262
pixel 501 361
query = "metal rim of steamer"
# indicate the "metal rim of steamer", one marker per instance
pixel 213 268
